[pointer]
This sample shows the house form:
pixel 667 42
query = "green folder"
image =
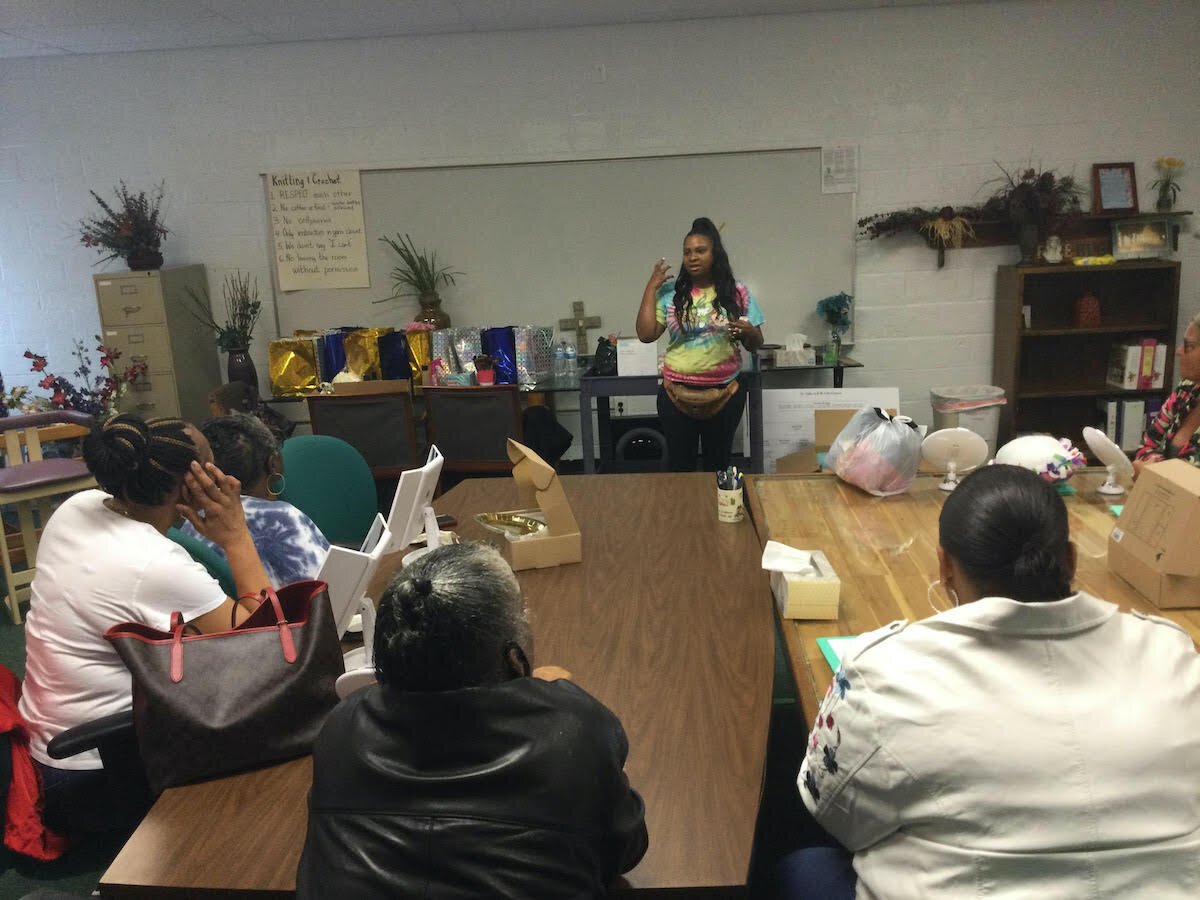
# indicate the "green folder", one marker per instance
pixel 832 649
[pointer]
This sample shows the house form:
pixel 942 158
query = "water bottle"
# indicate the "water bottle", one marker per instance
pixel 572 361
pixel 560 358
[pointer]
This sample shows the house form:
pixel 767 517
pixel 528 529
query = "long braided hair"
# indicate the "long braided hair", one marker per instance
pixel 722 276
pixel 138 460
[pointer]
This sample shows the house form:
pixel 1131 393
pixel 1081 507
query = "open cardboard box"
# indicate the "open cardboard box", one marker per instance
pixel 1153 545
pixel 828 424
pixel 540 491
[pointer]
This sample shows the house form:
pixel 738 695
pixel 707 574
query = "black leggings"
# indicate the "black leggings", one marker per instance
pixel 714 435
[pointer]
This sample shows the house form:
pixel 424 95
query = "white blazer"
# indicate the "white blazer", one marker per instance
pixel 1015 750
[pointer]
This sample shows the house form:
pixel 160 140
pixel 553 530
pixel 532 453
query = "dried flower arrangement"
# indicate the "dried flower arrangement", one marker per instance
pixel 132 230
pixel 242 308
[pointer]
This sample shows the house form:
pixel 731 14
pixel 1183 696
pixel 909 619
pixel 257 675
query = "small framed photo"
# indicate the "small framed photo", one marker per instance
pixel 1140 238
pixel 1114 188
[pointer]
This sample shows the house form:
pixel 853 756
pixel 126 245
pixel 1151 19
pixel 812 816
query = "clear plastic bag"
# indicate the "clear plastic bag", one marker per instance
pixel 877 452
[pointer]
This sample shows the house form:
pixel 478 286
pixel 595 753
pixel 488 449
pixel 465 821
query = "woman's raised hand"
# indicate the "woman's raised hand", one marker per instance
pixel 213 504
pixel 661 273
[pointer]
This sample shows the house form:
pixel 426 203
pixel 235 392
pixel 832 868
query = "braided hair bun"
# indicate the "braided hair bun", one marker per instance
pixel 139 460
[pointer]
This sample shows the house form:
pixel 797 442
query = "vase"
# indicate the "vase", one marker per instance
pixel 833 350
pixel 142 259
pixel 240 367
pixel 431 311
pixel 1166 199
pixel 1027 240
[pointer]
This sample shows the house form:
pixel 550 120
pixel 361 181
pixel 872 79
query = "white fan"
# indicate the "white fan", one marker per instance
pixel 1112 456
pixel 955 450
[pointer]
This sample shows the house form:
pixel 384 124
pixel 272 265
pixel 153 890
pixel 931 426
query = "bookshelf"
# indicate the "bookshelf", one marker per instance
pixel 1053 372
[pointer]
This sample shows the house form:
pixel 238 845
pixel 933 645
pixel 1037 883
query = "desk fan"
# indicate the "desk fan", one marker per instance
pixel 953 449
pixel 1112 456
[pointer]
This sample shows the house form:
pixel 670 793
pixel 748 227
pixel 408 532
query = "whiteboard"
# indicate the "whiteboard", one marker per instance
pixel 531 238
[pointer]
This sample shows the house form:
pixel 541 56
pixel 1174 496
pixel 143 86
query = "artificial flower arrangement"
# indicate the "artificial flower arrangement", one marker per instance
pixel 95 395
pixel 835 311
pixel 1169 168
pixel 131 230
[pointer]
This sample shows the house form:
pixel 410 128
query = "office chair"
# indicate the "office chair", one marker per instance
pixel 329 481
pixel 26 479
pixel 381 426
pixel 471 426
pixel 217 565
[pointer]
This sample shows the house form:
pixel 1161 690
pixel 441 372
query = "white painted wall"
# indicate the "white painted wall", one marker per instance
pixel 932 96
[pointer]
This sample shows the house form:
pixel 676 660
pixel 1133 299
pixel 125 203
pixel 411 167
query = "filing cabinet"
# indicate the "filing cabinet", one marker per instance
pixel 147 317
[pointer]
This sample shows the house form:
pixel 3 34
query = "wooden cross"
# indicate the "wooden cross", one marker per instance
pixel 581 323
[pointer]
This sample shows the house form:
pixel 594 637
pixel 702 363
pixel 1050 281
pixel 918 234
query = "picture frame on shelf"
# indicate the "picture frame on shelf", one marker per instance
pixel 1140 238
pixel 1114 188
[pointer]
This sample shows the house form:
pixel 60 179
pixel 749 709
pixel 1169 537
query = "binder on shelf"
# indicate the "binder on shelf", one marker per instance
pixel 1145 378
pixel 1124 364
pixel 1132 419
pixel 1110 410
pixel 1160 366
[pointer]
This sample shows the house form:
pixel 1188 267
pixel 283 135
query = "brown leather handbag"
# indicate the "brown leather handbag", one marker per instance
pixel 697 402
pixel 212 704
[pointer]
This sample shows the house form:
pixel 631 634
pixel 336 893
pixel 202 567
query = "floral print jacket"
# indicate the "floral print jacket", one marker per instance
pixel 1156 443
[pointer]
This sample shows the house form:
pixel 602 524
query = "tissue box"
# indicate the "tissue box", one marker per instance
pixel 809 596
pixel 805 356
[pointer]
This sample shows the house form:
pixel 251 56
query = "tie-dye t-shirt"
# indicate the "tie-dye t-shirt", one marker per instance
pixel 289 543
pixel 699 351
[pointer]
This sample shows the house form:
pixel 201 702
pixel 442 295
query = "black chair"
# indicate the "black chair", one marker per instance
pixel 115 739
pixel 471 426
pixel 379 425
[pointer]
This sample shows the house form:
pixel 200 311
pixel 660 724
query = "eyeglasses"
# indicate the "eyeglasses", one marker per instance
pixel 1189 346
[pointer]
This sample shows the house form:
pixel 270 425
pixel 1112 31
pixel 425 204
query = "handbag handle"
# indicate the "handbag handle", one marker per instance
pixel 287 645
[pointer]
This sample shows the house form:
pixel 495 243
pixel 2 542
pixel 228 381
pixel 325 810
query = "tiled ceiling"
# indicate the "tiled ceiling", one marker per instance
pixel 66 27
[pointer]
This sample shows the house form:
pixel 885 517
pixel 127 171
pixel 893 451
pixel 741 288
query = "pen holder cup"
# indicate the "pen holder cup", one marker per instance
pixel 731 505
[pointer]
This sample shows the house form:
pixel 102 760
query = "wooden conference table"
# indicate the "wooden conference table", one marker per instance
pixel 667 621
pixel 884 549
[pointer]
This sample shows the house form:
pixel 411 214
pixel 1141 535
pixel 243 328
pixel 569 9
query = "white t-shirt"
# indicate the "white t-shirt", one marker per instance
pixel 95 569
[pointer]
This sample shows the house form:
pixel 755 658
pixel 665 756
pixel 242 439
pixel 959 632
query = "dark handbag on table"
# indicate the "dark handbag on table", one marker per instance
pixel 212 704
pixel 605 360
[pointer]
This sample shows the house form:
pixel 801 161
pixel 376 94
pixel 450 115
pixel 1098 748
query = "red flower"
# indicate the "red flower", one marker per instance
pixel 58 398
pixel 47 382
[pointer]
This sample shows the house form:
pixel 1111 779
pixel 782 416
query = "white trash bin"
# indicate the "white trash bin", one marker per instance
pixel 973 406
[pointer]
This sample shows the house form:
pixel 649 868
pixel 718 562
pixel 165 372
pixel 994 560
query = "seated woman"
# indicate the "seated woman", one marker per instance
pixel 105 558
pixel 1030 741
pixel 458 775
pixel 289 543
pixel 1175 431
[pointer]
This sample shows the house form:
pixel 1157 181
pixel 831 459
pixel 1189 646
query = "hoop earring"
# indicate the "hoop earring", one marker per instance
pixel 950 592
pixel 281 485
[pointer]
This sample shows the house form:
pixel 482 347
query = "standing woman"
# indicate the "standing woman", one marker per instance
pixel 708 316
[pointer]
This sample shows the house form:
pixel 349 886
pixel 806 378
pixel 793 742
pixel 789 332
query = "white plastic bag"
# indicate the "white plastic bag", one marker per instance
pixel 877 452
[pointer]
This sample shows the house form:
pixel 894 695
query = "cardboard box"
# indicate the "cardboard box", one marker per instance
pixel 814 596
pixel 538 488
pixel 1153 545
pixel 636 358
pixel 378 386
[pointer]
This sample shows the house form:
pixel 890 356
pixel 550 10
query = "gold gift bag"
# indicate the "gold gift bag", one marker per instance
pixel 362 352
pixel 418 353
pixel 293 366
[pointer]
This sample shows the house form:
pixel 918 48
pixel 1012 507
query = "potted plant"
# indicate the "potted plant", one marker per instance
pixel 418 273
pixel 242 308
pixel 1169 168
pixel 1036 203
pixel 131 229
pixel 835 311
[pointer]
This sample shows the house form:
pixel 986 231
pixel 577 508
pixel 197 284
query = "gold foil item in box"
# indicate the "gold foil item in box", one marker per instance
pixel 362 352
pixel 293 366
pixel 511 524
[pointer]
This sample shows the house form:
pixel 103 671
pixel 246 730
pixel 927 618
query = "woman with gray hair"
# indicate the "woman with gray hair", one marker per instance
pixel 289 543
pixel 1175 432
pixel 458 775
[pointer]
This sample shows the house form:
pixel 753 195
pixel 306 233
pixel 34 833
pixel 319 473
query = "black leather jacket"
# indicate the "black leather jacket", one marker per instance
pixel 508 790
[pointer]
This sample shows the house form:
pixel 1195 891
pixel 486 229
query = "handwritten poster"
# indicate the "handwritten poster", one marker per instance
pixel 317 224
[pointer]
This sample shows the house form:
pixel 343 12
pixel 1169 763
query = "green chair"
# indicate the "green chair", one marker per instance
pixel 329 481
pixel 202 553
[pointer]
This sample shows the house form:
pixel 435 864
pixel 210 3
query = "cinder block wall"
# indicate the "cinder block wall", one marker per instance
pixel 932 95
